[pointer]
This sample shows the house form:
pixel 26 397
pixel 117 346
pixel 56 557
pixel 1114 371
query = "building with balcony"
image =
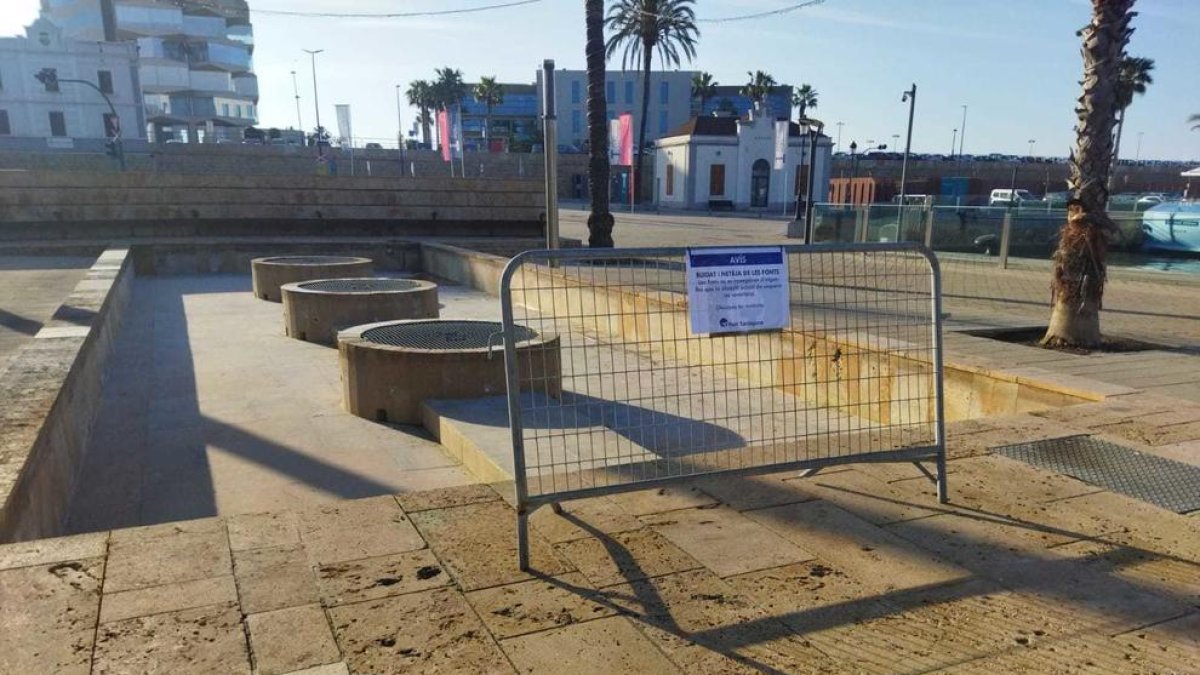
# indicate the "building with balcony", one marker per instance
pixel 195 60
pixel 34 114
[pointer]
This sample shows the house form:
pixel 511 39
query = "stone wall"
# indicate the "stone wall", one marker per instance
pixel 61 205
pixel 50 395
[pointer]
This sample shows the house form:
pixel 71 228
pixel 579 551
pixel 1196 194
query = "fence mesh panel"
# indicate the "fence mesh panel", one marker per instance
pixel 637 398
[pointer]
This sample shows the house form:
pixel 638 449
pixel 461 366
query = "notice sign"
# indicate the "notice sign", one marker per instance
pixel 733 290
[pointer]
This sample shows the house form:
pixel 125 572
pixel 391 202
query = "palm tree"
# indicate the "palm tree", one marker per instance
pixel 420 96
pixel 641 28
pixel 1135 76
pixel 1079 265
pixel 448 88
pixel 1194 120
pixel 704 87
pixel 803 98
pixel 490 95
pixel 600 220
pixel 758 87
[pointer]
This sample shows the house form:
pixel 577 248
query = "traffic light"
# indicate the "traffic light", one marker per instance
pixel 48 77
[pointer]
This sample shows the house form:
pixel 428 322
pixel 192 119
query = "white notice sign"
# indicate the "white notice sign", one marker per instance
pixel 733 290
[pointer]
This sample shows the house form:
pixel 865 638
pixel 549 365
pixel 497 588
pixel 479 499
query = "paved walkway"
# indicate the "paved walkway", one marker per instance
pixel 857 570
pixel 31 288
pixel 209 409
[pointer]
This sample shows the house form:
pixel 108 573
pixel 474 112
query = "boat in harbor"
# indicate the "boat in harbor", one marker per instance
pixel 1172 227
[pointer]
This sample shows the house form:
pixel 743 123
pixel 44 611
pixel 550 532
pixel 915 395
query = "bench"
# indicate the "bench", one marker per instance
pixel 720 205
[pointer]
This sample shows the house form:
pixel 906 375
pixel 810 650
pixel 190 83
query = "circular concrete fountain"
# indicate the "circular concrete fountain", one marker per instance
pixel 316 310
pixel 389 368
pixel 269 274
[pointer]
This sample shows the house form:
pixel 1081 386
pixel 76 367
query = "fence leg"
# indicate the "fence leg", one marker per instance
pixel 1005 236
pixel 943 491
pixel 523 539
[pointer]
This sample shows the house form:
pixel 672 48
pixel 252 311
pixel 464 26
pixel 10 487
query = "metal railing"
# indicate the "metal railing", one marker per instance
pixel 640 400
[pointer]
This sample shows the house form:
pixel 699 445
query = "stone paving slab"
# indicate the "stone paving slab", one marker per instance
pixel 854 570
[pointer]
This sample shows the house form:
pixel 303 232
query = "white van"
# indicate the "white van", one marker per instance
pixel 1010 197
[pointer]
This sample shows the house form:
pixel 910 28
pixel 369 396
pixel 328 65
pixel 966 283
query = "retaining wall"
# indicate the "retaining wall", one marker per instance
pixel 50 394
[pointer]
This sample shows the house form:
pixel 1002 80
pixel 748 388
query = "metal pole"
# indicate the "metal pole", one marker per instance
pixel 962 133
pixel 550 135
pixel 296 93
pixel 316 99
pixel 911 97
pixel 953 143
pixel 839 138
pixel 399 131
pixel 1005 234
pixel 814 133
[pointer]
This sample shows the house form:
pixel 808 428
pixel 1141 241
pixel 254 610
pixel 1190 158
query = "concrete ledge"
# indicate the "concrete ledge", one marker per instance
pixel 50 395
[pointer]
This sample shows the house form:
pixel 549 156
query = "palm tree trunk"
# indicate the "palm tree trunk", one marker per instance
pixel 487 123
pixel 1112 172
pixel 1079 260
pixel 647 57
pixel 600 220
pixel 425 127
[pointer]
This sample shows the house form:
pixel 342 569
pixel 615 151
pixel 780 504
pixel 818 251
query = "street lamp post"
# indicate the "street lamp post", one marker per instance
pixel 953 143
pixel 1137 156
pixel 399 130
pixel 316 100
pixel 910 97
pixel 962 134
pixel 1031 142
pixel 49 77
pixel 815 127
pixel 839 138
pixel 296 94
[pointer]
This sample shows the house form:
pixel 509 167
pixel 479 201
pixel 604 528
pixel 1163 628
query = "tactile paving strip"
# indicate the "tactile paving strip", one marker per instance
pixel 443 334
pixel 1175 486
pixel 359 285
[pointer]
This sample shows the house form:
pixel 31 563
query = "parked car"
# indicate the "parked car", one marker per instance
pixel 1010 197
pixel 374 146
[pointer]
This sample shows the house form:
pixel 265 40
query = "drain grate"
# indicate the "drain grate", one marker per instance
pixel 312 260
pixel 360 285
pixel 1175 486
pixel 439 334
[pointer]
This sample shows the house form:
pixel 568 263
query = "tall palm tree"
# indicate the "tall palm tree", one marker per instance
pixel 490 95
pixel 804 97
pixel 1135 76
pixel 758 87
pixel 704 87
pixel 1079 265
pixel 600 220
pixel 448 88
pixel 420 96
pixel 1194 120
pixel 642 27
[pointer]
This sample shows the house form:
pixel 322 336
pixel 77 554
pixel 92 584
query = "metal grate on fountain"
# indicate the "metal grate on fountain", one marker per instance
pixel 448 335
pixel 360 285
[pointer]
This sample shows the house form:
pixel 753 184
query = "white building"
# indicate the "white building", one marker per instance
pixel 196 60
pixel 730 162
pixel 670 101
pixel 31 110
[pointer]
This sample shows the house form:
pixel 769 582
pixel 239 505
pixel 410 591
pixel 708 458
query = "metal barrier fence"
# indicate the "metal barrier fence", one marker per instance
pixel 642 392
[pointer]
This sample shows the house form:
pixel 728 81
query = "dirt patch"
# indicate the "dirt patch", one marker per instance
pixel 1031 336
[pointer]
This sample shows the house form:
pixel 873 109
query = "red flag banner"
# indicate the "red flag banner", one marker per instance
pixel 443 122
pixel 626 139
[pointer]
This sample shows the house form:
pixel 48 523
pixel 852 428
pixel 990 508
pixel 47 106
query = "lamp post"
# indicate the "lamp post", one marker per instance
pixel 399 130
pixel 1031 142
pixel 316 100
pixel 839 138
pixel 296 93
pixel 1137 156
pixel 815 127
pixel 49 78
pixel 962 134
pixel 909 97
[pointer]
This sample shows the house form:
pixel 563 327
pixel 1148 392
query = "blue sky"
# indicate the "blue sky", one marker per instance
pixel 1014 63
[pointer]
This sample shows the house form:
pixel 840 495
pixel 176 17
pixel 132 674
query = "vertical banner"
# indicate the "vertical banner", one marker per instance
pixel 443 122
pixel 456 143
pixel 626 138
pixel 343 120
pixel 614 142
pixel 782 128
